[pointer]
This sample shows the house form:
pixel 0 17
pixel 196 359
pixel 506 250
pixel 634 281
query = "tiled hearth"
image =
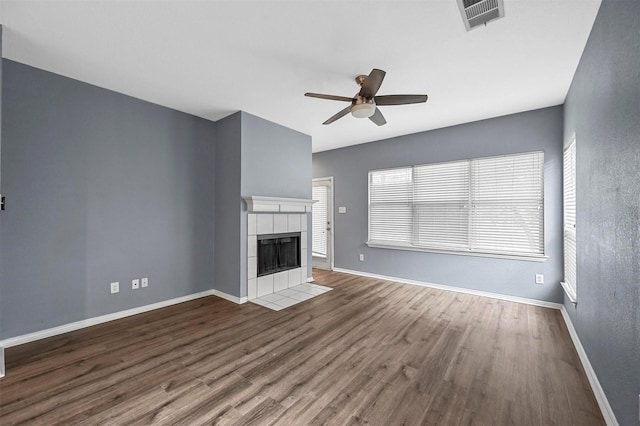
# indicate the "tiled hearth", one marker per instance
pixel 291 296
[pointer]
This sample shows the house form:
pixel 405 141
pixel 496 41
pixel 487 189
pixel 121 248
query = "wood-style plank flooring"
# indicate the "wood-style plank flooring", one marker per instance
pixel 368 352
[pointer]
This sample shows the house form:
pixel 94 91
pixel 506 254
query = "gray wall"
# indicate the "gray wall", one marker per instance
pixel 281 154
pixel 1 214
pixel 529 131
pixel 603 109
pixel 253 157
pixel 0 114
pixel 101 187
pixel 228 204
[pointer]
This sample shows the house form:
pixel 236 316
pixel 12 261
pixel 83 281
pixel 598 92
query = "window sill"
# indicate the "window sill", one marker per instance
pixel 459 253
pixel 570 292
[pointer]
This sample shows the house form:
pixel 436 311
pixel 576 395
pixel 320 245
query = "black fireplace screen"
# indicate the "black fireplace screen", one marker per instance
pixel 278 252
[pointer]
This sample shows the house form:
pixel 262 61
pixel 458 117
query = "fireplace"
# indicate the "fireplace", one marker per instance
pixel 276 218
pixel 278 252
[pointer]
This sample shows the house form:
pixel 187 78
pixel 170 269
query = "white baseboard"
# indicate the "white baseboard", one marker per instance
pixel 601 397
pixel 50 332
pixel 229 297
pixel 517 299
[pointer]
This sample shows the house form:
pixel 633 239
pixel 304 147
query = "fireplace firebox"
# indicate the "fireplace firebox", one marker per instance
pixel 278 252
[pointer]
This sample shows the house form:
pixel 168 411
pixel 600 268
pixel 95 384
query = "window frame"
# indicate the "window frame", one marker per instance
pixel 468 250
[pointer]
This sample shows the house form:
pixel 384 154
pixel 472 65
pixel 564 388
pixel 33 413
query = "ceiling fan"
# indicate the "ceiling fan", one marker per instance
pixel 365 103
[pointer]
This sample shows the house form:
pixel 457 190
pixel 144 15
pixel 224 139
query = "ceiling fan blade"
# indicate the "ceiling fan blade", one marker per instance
pixel 329 97
pixel 372 83
pixel 338 115
pixel 378 118
pixel 400 99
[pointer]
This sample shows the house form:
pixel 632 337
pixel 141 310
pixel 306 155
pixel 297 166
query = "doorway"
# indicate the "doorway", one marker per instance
pixel 322 223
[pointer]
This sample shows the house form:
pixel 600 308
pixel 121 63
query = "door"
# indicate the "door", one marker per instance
pixel 322 223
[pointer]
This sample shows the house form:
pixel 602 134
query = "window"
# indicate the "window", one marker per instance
pixel 569 196
pixel 490 206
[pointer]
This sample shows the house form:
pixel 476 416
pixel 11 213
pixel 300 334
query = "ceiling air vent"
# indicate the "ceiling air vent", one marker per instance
pixel 478 12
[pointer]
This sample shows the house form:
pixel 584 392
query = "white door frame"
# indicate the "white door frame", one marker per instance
pixel 328 263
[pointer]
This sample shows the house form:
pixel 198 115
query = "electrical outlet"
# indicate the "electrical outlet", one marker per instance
pixel 539 279
pixel 115 287
pixel 361 257
pixel 145 282
pixel 135 284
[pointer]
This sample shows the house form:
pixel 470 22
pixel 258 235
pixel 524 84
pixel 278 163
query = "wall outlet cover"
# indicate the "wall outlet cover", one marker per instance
pixel 144 282
pixel 539 279
pixel 361 257
pixel 115 287
pixel 135 284
pixel 342 210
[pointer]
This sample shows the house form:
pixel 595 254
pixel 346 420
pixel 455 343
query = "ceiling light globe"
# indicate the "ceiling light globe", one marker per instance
pixel 363 110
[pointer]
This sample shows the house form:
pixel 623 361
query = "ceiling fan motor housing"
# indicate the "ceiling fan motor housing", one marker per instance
pixel 363 107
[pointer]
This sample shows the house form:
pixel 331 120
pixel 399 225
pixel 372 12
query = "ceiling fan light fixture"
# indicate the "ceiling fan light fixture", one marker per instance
pixel 365 103
pixel 365 110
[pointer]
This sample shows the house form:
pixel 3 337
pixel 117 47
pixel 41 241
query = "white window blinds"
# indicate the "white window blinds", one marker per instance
pixel 319 220
pixel 441 199
pixel 487 205
pixel 390 205
pixel 569 195
pixel 507 195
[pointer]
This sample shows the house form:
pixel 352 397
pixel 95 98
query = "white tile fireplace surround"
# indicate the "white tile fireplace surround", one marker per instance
pixel 274 223
pixel 272 216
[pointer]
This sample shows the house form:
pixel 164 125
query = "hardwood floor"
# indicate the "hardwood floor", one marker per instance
pixel 368 352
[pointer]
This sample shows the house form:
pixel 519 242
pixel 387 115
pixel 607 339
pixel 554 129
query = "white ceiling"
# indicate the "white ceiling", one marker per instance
pixel 212 58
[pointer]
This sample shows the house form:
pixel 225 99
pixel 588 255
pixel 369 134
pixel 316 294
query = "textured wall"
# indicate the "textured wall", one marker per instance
pixel 276 162
pixel 530 131
pixel 0 114
pixel 102 188
pixel 1 213
pixel 228 204
pixel 253 157
pixel 603 109
pixel 279 153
